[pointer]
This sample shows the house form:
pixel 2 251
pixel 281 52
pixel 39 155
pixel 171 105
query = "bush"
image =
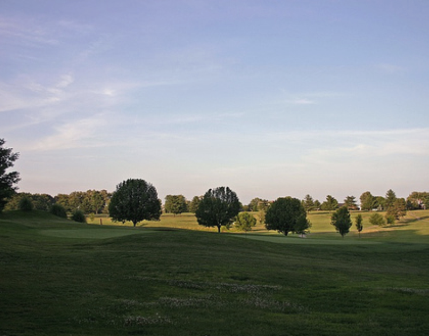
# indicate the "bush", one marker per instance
pixel 25 204
pixel 244 221
pixel 58 210
pixel 78 216
pixel 377 219
pixel 390 219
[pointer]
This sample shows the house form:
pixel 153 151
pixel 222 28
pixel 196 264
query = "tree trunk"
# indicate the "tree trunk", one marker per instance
pixel 218 229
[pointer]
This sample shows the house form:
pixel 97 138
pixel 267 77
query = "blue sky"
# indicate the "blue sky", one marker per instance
pixel 270 98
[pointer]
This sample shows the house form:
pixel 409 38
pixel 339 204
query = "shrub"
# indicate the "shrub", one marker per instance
pixel 390 219
pixel 244 221
pixel 377 219
pixel 58 210
pixel 78 216
pixel 25 204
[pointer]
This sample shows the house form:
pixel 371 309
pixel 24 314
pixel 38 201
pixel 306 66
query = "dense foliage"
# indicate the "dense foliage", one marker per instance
pixel 244 221
pixel 58 210
pixel 218 208
pixel 25 204
pixel 341 220
pixel 78 216
pixel 175 204
pixel 7 179
pixel 286 215
pixel 135 200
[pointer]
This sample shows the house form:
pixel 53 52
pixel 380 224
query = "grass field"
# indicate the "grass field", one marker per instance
pixel 62 278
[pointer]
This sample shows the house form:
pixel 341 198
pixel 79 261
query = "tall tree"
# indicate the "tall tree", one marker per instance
pixel 308 203
pixel 7 179
pixel 218 208
pixel 350 202
pixel 135 200
pixel 284 215
pixel 330 204
pixel 341 220
pixel 367 201
pixel 359 223
pixel 390 199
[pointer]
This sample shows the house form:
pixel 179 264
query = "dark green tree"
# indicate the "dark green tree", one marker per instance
pixel 135 200
pixel 26 204
pixel 359 223
pixel 244 221
pixel 58 210
pixel 218 207
pixel 7 179
pixel 330 204
pixel 341 220
pixel 284 214
pixel 78 216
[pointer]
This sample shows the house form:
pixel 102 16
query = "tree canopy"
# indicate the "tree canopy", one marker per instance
pixel 367 201
pixel 244 221
pixel 341 220
pixel 135 200
pixel 330 204
pixel 175 204
pixel 7 179
pixel 218 207
pixel 285 214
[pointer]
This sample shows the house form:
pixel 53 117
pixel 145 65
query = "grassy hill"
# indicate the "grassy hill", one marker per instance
pixel 62 278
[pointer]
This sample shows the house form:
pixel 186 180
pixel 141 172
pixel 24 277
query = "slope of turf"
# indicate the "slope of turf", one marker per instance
pixel 181 282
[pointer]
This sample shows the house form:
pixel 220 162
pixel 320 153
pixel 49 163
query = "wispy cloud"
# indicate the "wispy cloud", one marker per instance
pixel 74 134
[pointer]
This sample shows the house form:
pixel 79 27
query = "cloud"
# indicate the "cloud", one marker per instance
pixel 74 134
pixel 390 68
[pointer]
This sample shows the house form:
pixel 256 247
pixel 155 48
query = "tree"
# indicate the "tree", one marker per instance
pixel 244 221
pixel 350 202
pixel 26 204
pixel 218 207
pixel 367 201
pixel 254 204
pixel 262 210
pixel 58 210
pixel 330 204
pixel 341 220
pixel 317 205
pixel 397 210
pixel 302 226
pixel 359 223
pixel 193 205
pixel 135 200
pixel 308 203
pixel 377 219
pixel 390 199
pixel 284 214
pixel 78 216
pixel 175 204
pixel 7 179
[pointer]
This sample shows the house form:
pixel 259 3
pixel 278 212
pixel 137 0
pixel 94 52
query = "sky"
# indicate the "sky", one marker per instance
pixel 270 98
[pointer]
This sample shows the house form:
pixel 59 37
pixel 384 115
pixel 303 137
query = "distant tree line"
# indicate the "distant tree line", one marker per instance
pixel 90 201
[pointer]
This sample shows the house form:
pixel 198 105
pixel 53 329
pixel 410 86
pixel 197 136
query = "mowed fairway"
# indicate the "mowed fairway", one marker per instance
pixel 62 278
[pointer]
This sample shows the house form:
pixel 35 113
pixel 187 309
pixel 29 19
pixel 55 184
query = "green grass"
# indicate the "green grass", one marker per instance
pixel 62 278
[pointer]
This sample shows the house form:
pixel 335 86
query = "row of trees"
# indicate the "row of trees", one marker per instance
pixel 91 201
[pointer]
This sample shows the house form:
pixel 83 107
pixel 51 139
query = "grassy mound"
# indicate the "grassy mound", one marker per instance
pixel 62 278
